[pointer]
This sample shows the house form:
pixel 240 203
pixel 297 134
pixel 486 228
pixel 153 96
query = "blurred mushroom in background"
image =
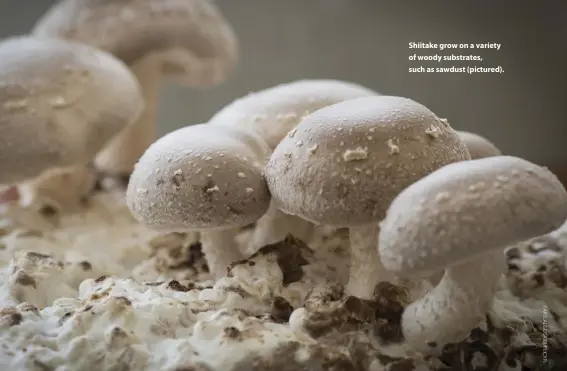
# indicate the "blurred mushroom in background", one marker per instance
pixel 478 146
pixel 188 41
pixel 60 103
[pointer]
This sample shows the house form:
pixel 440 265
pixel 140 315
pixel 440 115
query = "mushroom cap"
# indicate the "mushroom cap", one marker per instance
pixel 467 209
pixel 200 177
pixel 478 146
pixel 271 113
pixel 60 103
pixel 196 44
pixel 345 163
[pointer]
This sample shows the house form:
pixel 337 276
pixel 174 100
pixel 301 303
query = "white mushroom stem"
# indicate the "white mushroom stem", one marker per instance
pixel 124 150
pixel 457 304
pixel 275 225
pixel 220 249
pixel 366 269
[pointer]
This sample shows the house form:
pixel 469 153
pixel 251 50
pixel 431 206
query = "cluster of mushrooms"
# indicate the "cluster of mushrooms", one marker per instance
pixel 332 153
pixel 79 94
pixel 420 199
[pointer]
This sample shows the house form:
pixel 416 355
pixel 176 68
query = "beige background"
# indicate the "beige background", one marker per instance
pixel 523 110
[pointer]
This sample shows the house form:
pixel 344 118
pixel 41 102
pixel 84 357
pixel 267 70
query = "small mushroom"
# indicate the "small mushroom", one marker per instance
pixel 460 219
pixel 368 150
pixel 60 102
pixel 271 114
pixel 478 146
pixel 189 41
pixel 202 178
pixel 48 194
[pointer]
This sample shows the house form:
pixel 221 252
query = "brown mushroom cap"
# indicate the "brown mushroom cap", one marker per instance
pixel 344 164
pixel 478 146
pixel 194 41
pixel 200 177
pixel 467 209
pixel 60 102
pixel 271 113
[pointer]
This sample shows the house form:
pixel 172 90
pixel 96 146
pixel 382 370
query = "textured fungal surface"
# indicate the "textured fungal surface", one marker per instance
pixel 99 291
pixel 537 267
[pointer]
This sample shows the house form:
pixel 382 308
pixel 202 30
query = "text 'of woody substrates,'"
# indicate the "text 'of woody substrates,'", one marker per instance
pixel 464 58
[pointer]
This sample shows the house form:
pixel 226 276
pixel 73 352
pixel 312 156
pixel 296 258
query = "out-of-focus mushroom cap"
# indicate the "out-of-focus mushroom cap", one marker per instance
pixel 345 163
pixel 196 44
pixel 467 209
pixel 273 112
pixel 60 103
pixel 200 177
pixel 478 146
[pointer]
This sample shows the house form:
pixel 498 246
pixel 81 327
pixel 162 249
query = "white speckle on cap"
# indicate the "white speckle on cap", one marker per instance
pixel 433 131
pixel 356 154
pixel 393 145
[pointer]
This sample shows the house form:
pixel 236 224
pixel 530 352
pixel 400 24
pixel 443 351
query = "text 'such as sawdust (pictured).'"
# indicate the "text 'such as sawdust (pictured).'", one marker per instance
pixel 453 58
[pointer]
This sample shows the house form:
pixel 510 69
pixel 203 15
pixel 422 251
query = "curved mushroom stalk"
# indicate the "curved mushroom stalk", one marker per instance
pixel 275 225
pixel 456 305
pixel 124 150
pixel 461 218
pixel 220 250
pixel 366 269
pixel 58 190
